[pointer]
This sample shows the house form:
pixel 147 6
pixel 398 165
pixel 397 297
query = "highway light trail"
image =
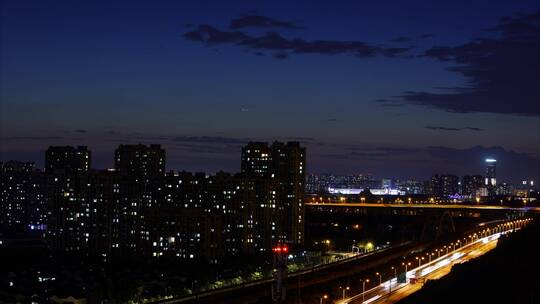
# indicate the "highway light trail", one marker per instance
pixel 391 291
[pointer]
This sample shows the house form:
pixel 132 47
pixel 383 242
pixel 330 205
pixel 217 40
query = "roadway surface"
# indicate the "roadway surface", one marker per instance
pixel 435 206
pixel 252 292
pixel 392 291
pixel 478 243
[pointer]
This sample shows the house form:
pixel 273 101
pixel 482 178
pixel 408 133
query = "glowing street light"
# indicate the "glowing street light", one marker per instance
pixel 369 246
pixel 380 277
pixel 430 255
pixel 344 290
pixel 406 264
pixel 395 276
pixel 324 297
pixel 364 288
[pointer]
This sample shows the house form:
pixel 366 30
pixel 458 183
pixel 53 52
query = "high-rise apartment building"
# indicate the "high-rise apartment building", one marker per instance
pixel 84 213
pixel 285 163
pixel 470 184
pixel 22 200
pixel 444 185
pixel 289 169
pixel 68 159
pixel 256 160
pixel 136 210
pixel 140 160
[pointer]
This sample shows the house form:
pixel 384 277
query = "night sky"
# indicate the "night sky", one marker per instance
pixel 392 88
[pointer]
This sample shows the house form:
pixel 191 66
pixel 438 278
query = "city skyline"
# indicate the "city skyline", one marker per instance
pixel 474 170
pixel 366 87
pixel 291 152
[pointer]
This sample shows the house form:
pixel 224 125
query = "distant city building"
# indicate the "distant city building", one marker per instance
pixel 411 187
pixel 321 183
pixel 136 210
pixel 140 160
pixel 356 191
pixel 68 159
pixel 22 201
pixel 504 189
pixel 444 185
pixel 491 175
pixel 524 189
pixel 470 184
pixel 387 183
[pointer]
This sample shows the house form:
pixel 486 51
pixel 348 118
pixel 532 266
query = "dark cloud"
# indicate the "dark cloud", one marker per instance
pixel 211 36
pixel 392 105
pixel 299 138
pixel 211 139
pixel 372 153
pixel 383 102
pixel 521 25
pixel 261 22
pixel 502 73
pixel 401 39
pixel 383 151
pixel 81 131
pixel 439 128
pixel 425 36
pixel 149 138
pixel 331 119
pixel 209 148
pixel 273 41
pixel 32 138
pixel 280 55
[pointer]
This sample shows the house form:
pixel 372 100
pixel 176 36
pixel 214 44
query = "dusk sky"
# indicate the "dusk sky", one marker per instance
pixel 392 88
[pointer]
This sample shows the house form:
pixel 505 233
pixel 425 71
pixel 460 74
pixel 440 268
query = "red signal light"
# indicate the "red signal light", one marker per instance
pixel 281 248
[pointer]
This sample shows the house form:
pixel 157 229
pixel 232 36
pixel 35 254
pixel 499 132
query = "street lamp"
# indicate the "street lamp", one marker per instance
pixel 327 242
pixel 364 288
pixel 395 276
pixel 406 264
pixel 344 290
pixel 380 277
pixel 324 297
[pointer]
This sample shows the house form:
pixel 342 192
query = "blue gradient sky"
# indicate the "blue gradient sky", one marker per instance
pixel 104 73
